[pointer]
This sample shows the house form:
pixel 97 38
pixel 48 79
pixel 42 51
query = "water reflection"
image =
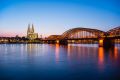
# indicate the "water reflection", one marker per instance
pixel 116 52
pixel 30 48
pixel 73 60
pixel 113 53
pixel 84 53
pixel 68 51
pixel 34 49
pixel 105 56
pixel 57 47
pixel 101 57
pixel 80 51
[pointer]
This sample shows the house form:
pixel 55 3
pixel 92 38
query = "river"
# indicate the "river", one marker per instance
pixel 59 62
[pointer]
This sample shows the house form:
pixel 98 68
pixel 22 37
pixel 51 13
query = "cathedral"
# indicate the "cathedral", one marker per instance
pixel 30 33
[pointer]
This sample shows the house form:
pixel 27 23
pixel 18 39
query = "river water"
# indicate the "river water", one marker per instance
pixel 59 62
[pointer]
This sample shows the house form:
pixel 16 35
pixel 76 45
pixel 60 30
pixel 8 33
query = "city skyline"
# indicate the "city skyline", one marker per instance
pixel 56 16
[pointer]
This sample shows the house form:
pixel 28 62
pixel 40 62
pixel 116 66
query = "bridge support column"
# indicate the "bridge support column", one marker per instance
pixel 51 41
pixel 64 42
pixel 106 42
pixel 101 42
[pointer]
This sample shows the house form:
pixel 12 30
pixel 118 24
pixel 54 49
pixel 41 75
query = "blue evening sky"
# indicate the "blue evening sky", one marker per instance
pixel 56 16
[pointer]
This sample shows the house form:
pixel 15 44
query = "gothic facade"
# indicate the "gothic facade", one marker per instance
pixel 30 33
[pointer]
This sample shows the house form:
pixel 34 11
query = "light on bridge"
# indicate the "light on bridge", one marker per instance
pixel 57 41
pixel 73 41
pixel 101 42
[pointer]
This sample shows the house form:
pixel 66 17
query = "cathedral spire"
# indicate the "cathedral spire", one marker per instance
pixel 32 28
pixel 28 31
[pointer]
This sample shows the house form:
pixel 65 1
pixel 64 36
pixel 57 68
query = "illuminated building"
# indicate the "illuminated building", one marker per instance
pixel 31 34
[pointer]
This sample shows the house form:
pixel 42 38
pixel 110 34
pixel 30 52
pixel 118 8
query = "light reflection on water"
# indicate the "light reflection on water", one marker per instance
pixel 57 46
pixel 74 61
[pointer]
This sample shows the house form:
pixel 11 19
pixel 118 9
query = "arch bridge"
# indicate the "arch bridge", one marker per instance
pixel 87 35
pixel 114 33
pixel 81 33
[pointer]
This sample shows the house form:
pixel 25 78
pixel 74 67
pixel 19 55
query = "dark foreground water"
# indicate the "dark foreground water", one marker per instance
pixel 58 62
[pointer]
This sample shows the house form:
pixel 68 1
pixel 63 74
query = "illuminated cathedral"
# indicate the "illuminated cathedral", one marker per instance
pixel 30 33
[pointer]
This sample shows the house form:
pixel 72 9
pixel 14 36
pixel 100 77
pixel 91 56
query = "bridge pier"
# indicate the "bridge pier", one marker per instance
pixel 106 42
pixel 64 42
pixel 57 41
pixel 51 41
pixel 101 44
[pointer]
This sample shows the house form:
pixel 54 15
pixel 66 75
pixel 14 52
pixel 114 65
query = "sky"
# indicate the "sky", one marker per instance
pixel 53 17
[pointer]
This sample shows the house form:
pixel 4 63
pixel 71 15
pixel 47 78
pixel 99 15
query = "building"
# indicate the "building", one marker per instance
pixel 30 33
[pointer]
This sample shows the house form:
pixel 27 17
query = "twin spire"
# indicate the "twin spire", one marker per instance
pixel 30 30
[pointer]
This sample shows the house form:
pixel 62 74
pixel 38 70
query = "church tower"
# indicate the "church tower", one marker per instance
pixel 32 28
pixel 30 33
